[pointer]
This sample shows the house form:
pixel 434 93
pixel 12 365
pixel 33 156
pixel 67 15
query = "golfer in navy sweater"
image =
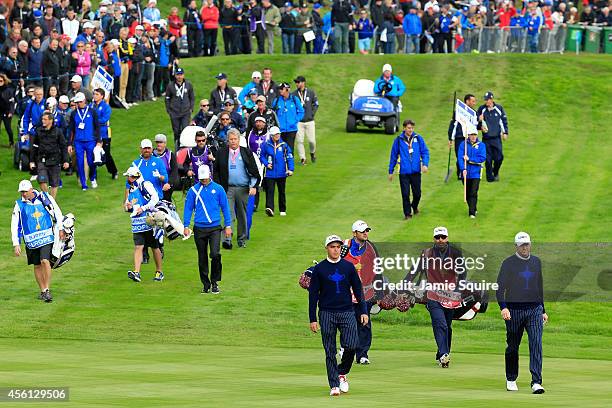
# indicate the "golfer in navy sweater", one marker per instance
pixel 330 288
pixel 521 299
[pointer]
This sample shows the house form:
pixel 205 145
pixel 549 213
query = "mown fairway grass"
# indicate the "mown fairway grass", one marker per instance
pixel 116 343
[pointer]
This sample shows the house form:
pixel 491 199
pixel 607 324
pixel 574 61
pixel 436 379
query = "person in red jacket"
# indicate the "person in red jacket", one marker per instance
pixel 505 13
pixel 210 20
pixel 175 23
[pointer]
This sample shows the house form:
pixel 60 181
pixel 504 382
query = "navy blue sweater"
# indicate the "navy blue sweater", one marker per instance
pixel 520 283
pixel 330 288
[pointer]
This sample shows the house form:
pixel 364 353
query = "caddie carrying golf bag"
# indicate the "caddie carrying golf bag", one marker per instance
pixel 166 218
pixel 63 251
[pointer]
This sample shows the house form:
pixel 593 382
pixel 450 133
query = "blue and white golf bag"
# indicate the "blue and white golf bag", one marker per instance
pixel 63 251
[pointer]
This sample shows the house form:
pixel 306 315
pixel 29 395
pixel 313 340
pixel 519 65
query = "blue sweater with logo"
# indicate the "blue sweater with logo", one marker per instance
pixel 520 283
pixel 207 201
pixel 330 288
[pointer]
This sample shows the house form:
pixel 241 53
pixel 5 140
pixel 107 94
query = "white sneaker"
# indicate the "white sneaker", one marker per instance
pixel 364 360
pixel 535 388
pixel 340 352
pixel 344 385
pixel 282 213
pixel 445 358
pixel 94 184
pixel 511 386
pixel 334 392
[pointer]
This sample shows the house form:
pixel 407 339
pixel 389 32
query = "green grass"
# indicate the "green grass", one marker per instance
pixel 118 344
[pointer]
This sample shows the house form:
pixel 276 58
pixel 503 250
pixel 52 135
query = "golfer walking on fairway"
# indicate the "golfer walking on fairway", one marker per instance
pixel 330 289
pixel 521 300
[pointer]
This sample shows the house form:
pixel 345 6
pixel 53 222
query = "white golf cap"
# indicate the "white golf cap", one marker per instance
pixel 260 118
pixel 133 171
pixel 274 130
pixel 144 143
pixel 88 25
pixel 51 101
pixel 132 40
pixel 24 185
pixel 387 67
pixel 160 137
pixel 440 231
pixel 76 78
pixel 139 27
pixel 103 9
pixel 332 238
pixel 471 129
pixel 114 41
pixel 256 74
pixel 522 238
pixel 361 226
pixel 64 99
pixel 203 172
pixel 79 97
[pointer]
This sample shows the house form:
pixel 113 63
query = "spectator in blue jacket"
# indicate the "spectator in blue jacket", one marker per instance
pixel 412 29
pixel 104 114
pixel 32 113
pixel 410 148
pixel 35 56
pixel 474 157
pixel 277 158
pixel 289 111
pixel 467 29
pixel 389 85
pixel 365 32
pixel 534 22
pixel 207 200
pixel 255 79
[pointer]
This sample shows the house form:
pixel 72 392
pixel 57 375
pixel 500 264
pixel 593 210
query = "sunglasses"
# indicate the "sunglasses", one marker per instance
pixel 440 237
pixel 203 106
pixel 201 141
pixel 229 104
pixel 225 118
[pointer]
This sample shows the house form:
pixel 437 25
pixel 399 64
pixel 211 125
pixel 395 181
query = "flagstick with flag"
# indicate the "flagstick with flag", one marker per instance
pixel 465 116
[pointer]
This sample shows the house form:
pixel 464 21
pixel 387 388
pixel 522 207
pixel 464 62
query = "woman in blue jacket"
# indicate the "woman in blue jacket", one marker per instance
pixel 475 156
pixel 413 155
pixel 277 158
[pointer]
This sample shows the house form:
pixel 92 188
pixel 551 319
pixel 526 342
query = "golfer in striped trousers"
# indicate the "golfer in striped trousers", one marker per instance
pixel 521 299
pixel 330 289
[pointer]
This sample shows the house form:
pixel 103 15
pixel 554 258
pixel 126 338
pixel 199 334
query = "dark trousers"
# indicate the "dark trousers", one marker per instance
pixel 168 195
pixel 531 321
pixel 408 182
pixel 260 36
pixel 289 138
pixel 331 323
pixel 472 195
pixel 441 322
pixel 269 184
pixel 231 37
pixel 245 39
pixel 495 157
pixel 204 238
pixel 364 332
pixel 110 162
pixel 8 122
pixel 134 87
pixel 210 42
pixel 299 40
pixel 178 124
pixel 194 41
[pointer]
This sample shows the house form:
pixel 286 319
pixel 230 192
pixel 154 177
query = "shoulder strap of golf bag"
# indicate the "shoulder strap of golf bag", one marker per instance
pixel 44 199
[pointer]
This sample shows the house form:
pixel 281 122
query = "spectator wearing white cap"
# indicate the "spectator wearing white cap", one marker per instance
pixel 141 199
pixel 85 135
pixel 520 296
pixel 277 157
pixel 36 218
pixel 205 201
pixel 389 85
pixel 472 155
pixel 440 268
pixel 255 79
pixel 261 110
pixel 86 36
pixel 76 86
pixel 152 168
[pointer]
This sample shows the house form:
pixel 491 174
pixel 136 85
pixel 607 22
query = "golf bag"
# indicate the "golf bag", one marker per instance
pixel 99 156
pixel 63 251
pixel 166 218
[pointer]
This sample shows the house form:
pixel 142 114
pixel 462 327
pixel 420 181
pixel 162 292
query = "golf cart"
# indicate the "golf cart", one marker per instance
pixel 370 110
